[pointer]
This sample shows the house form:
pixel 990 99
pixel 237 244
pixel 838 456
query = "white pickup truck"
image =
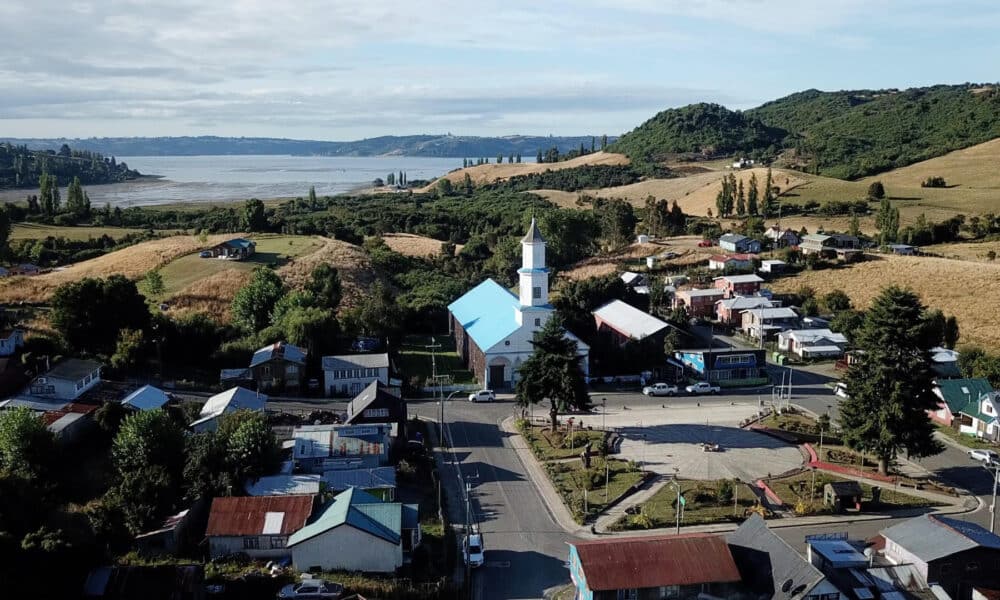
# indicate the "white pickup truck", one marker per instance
pixel 703 387
pixel 660 389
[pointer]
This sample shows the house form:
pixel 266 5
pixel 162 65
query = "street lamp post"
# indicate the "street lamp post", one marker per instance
pixel 993 505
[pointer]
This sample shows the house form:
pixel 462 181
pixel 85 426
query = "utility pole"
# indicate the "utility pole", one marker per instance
pixel 434 346
pixel 993 506
pixel 468 532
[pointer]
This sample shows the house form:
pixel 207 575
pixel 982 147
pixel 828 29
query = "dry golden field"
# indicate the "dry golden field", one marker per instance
pixel 354 266
pixel 132 262
pixel 970 251
pixel 211 295
pixel 490 173
pixel 961 288
pixel 631 257
pixel 415 245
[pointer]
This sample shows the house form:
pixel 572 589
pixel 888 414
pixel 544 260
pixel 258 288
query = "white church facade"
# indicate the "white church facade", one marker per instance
pixel 493 327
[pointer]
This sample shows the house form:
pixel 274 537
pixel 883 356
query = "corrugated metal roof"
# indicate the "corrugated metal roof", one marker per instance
pixel 372 392
pixel 629 320
pixel 766 561
pixel 248 515
pixel 353 361
pixel 360 510
pixel 283 485
pixel 73 369
pixel 930 537
pixel 701 292
pixel 806 336
pixel 282 350
pixel 486 312
pixel 233 399
pixel 146 398
pixel 323 441
pixel 732 238
pixel 742 278
pixel 381 477
pixel 627 563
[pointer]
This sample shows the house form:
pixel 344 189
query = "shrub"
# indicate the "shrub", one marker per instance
pixel 933 182
pixel 724 494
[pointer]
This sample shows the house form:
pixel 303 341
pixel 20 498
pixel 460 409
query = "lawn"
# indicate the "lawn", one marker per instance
pixel 271 250
pixel 704 505
pixel 36 231
pixel 795 492
pixel 555 446
pixel 571 479
pixel 969 441
pixel 415 360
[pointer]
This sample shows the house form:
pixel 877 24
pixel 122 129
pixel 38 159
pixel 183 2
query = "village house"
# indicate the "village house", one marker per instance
pixel 348 374
pixel 258 526
pixel 728 311
pixel 172 536
pixel 279 366
pixel 734 242
pixel 781 238
pixel 68 380
pixel 376 404
pixel 633 280
pixel 146 398
pixel 955 555
pixel 945 362
pixel 812 343
pixel 357 532
pixel 724 364
pixel 319 448
pixel 765 323
pixel 840 246
pixel 494 329
pixel 902 249
pixel 284 484
pixel 772 266
pixel 730 262
pixel 627 323
pixel 233 399
pixel 738 285
pixel 697 303
pixel 234 249
pixel 377 481
pixel 70 423
pixel 969 406
pixel 27 269
pixel 682 566
pixel 10 341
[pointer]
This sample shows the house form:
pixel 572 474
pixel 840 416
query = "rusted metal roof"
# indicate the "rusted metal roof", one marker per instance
pixel 628 563
pixel 248 516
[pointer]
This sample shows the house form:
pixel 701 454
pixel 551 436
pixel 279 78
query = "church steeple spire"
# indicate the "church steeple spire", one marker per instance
pixel 533 275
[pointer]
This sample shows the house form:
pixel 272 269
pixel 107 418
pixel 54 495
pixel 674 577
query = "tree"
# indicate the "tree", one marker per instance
pixel 46 184
pixel 836 301
pixel 604 142
pixel 444 187
pixel 553 373
pixel 741 203
pixel 129 350
pixel 74 199
pixel 89 313
pixel 253 303
pixel 254 217
pixel 855 227
pixel 308 327
pixel 251 448
pixel 467 184
pixel 5 225
pixel 153 282
pixel 617 219
pixel 768 207
pixel 891 384
pixel 752 196
pixel 26 445
pixel 951 333
pixel 876 191
pixel 887 221
pixel 378 314
pixel 312 196
pixel 147 438
pixel 325 286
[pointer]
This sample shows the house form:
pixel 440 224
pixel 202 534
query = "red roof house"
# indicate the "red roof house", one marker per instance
pixel 256 525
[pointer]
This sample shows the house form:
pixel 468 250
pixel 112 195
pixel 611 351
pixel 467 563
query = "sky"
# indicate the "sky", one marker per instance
pixel 350 69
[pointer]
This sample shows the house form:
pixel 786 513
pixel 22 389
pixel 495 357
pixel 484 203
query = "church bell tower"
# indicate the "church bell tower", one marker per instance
pixel 533 275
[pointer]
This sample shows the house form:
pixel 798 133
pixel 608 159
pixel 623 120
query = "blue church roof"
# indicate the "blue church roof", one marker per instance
pixel 486 312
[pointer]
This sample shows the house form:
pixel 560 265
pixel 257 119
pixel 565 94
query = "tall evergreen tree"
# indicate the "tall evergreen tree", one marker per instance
pixel 518 158
pixel 553 373
pixel 45 185
pixel 887 221
pixel 538 158
pixel 467 184
pixel 604 142
pixel 752 196
pixel 592 143
pixel 741 201
pixel 768 207
pixel 312 196
pixel 891 385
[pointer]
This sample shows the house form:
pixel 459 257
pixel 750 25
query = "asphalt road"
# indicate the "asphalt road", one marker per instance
pixel 526 550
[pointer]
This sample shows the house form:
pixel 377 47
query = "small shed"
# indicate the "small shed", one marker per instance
pixel 643 238
pixel 843 495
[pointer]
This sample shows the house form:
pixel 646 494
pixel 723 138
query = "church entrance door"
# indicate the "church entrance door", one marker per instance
pixel 496 377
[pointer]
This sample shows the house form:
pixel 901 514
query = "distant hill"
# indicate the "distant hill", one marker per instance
pixel 411 145
pixel 846 134
pixel 22 167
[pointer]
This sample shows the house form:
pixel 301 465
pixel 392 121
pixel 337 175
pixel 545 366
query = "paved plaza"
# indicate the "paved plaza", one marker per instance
pixel 671 441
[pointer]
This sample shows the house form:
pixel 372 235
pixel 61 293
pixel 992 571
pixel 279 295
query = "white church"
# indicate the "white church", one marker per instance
pixel 493 327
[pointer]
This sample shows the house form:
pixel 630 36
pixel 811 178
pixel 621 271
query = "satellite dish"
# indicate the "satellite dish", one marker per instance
pixel 786 586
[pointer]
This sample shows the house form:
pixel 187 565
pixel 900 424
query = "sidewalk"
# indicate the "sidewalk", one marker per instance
pixel 561 515
pixel 452 490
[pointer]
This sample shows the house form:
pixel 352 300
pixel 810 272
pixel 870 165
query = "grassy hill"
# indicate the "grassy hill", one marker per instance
pixel 845 134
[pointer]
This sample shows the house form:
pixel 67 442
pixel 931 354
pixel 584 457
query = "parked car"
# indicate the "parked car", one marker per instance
pixel 365 344
pixel 205 254
pixel 660 389
pixel 311 588
pixel 482 396
pixel 986 456
pixel 703 387
pixel 705 244
pixel 840 390
pixel 475 553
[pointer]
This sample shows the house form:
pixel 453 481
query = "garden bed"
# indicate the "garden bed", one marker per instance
pixel 797 492
pixel 558 445
pixel 570 479
pixel 706 502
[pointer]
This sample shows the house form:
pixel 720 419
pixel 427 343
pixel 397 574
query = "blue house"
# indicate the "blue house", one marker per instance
pixel 734 242
pixel 724 364
pixel 493 328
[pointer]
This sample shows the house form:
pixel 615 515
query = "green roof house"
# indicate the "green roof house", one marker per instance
pixel 356 532
pixel 968 405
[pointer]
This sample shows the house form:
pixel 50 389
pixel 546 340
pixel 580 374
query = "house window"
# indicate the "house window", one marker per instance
pixel 631 594
pixel 278 542
pixel 266 370
pixel 251 543
pixel 972 566
pixel 371 413
pixel 506 342
pixel 536 292
pixel 292 370
pixel 670 591
pixel 538 322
